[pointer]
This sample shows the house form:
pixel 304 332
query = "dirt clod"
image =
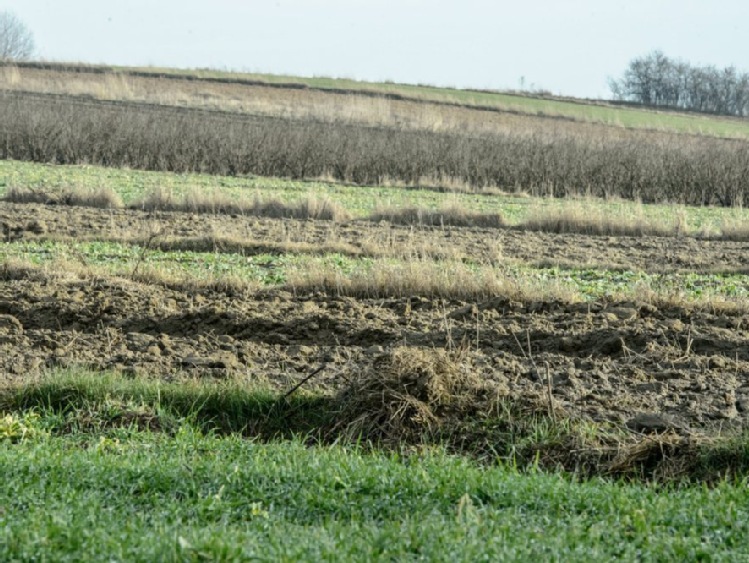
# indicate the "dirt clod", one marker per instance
pixel 648 423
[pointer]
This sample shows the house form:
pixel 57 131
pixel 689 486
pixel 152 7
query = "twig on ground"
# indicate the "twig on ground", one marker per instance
pixel 303 381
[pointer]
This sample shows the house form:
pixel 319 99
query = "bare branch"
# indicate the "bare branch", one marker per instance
pixel 16 40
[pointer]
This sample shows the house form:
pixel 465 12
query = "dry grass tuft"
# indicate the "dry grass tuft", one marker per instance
pixel 590 220
pixel 218 202
pixel 403 393
pixel 13 269
pixel 425 278
pixel 100 198
pixel 307 208
pixel 667 455
pixel 452 215
pixel 734 230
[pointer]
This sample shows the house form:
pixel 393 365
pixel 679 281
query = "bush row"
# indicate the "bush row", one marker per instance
pixel 652 167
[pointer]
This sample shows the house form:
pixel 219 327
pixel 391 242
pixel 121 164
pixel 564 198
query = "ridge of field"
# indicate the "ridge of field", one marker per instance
pixel 291 270
pixel 360 201
pixel 383 103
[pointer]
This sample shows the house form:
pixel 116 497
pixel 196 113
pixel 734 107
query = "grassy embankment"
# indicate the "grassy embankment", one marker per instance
pixel 106 468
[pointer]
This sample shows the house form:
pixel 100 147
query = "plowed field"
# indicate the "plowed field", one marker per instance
pixel 607 360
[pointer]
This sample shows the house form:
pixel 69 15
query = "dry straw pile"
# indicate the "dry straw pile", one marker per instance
pixel 406 393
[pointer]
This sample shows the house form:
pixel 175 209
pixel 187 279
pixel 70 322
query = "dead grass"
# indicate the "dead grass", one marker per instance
pixel 588 219
pixel 291 103
pixel 404 393
pixel 734 230
pixel 411 396
pixel 424 277
pixel 100 198
pixel 217 202
pixel 452 215
pixel 235 245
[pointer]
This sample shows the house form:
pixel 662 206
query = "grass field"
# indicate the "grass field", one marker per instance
pixel 139 496
pixel 360 201
pixel 124 479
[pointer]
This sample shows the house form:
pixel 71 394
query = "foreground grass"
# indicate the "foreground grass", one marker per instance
pixel 360 201
pixel 140 496
pixel 193 489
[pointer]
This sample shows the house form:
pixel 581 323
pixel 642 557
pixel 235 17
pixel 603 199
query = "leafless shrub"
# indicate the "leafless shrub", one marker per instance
pixel 651 167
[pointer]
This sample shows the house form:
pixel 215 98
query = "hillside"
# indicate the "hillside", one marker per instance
pixel 329 98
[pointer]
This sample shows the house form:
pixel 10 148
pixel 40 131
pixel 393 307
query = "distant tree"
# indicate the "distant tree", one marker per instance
pixel 16 40
pixel 657 80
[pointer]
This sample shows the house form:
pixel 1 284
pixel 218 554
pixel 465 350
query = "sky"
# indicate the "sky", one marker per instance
pixel 569 47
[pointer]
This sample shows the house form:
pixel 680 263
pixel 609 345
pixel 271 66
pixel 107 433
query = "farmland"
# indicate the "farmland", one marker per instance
pixel 359 348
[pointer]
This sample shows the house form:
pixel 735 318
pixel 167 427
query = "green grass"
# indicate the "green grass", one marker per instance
pixel 359 200
pixel 579 110
pixel 132 495
pixel 118 258
pixel 192 497
pixel 134 184
pixel 184 492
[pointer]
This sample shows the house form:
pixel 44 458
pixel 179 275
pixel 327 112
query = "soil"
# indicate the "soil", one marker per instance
pixel 648 254
pixel 630 363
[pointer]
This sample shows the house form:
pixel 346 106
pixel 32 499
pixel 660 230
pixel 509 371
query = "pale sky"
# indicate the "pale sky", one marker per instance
pixel 566 46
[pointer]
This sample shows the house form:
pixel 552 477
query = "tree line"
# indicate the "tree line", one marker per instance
pixel 657 80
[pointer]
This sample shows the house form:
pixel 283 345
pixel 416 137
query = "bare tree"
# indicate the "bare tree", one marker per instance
pixel 657 80
pixel 16 40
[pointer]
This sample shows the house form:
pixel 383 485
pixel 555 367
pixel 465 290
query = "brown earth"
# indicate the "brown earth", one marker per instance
pixel 607 361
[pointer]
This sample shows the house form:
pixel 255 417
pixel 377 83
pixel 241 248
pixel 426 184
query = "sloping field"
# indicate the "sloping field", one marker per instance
pixel 632 164
pixel 341 99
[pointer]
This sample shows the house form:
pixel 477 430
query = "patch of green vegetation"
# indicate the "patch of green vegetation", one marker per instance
pixel 596 283
pixel 124 492
pixel 274 270
pixel 134 184
pixel 123 258
pixel 359 200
